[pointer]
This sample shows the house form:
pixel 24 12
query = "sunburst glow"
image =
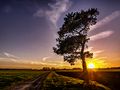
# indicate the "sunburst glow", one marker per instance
pixel 91 65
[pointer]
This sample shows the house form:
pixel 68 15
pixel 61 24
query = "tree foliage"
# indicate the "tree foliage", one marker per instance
pixel 73 35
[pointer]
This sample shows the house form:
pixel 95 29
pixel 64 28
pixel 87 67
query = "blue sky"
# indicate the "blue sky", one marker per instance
pixel 28 29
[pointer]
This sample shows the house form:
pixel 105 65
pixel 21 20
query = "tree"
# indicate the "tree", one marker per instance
pixel 73 37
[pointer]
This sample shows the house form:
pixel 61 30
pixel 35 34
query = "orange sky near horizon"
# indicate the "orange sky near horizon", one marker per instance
pixel 98 63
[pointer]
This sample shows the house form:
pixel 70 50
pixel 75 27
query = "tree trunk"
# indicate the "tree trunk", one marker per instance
pixel 85 71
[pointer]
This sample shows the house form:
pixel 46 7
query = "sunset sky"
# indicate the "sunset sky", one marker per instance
pixel 28 31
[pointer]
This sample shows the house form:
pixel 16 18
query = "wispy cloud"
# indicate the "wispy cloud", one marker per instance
pixel 97 53
pixel 8 59
pixel 56 10
pixel 101 35
pixel 42 63
pixel 13 58
pixel 10 55
pixel 105 20
pixel 45 58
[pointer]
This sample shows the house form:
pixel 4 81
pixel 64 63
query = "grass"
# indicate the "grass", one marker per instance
pixel 59 82
pixel 72 80
pixel 12 77
pixel 109 78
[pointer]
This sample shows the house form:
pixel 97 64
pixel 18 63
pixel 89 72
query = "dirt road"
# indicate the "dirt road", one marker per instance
pixel 32 85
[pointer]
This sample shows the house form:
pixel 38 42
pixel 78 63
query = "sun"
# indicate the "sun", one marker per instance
pixel 91 65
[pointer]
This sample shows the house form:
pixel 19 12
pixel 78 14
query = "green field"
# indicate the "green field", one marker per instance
pixel 107 77
pixel 60 82
pixel 60 79
pixel 13 77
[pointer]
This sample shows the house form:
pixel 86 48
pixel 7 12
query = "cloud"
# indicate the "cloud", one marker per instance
pixel 96 53
pixel 8 59
pixel 99 51
pixel 14 60
pixel 35 62
pixel 101 35
pixel 105 20
pixel 10 55
pixel 56 10
pixel 42 63
pixel 45 58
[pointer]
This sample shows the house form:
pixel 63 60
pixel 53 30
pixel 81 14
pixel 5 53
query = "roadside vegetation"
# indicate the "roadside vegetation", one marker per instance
pixel 107 77
pixel 12 77
pixel 58 82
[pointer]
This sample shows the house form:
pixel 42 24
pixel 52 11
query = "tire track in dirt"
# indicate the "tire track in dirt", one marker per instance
pixel 38 83
pixel 33 85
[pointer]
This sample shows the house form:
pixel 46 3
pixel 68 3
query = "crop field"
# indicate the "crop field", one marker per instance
pixel 42 80
pixel 59 82
pixel 59 79
pixel 12 77
pixel 110 78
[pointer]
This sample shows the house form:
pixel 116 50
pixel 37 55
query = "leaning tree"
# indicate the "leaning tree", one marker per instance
pixel 73 37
